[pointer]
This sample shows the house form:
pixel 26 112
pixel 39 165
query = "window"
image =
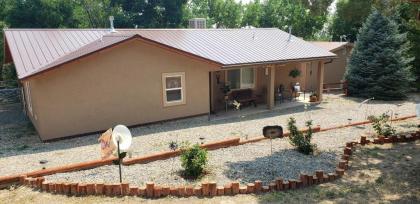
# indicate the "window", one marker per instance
pixel 173 88
pixel 27 90
pixel 241 78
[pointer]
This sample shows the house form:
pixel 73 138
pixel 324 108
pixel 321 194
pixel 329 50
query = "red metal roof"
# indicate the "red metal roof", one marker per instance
pixel 37 50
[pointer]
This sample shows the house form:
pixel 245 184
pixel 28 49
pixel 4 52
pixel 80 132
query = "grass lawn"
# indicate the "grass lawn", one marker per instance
pixel 378 174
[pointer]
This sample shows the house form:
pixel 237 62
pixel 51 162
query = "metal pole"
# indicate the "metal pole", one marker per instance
pixel 119 160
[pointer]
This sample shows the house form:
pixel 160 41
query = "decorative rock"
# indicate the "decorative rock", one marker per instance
pixel 174 191
pixel 125 189
pixel 116 189
pixel 279 183
pixel 381 139
pixel 292 184
pixel 166 191
pixel 108 189
pixel 320 175
pixel 331 176
pixel 349 144
pixel 304 179
pixel 363 140
pixel 59 188
pixel 189 191
pixel 339 171
pixel 81 189
pixel 22 179
pixel 228 189
pixel 342 164
pixel 272 186
pixel 181 191
pixel 66 188
pixel 142 191
pixel 134 191
pixel 51 187
pixel 242 189
pixel 149 189
pixel 220 190
pixel 99 189
pixel 346 157
pixel 157 191
pixel 286 185
pixel 45 186
pixel 347 151
pixel 90 189
pixel 212 188
pixel 39 182
pixel 235 188
pixel 198 191
pixel 315 180
pixel 250 188
pixel 325 178
pixel 258 186
pixel 310 180
pixel 205 189
pixel 265 189
pixel 299 184
pixel 74 187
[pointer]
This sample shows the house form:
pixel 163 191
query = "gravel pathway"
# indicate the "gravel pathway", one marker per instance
pixel 245 163
pixel 21 150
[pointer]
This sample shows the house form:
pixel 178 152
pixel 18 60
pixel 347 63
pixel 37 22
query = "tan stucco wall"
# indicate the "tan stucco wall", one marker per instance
pixel 334 71
pixel 121 85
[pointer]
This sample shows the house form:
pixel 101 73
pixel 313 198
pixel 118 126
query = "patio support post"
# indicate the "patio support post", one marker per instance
pixel 320 78
pixel 271 86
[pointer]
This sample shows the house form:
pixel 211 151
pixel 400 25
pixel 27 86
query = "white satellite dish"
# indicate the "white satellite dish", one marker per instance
pixel 122 134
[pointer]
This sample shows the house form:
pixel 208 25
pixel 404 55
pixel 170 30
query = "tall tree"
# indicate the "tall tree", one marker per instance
pixel 40 14
pixel 379 66
pixel 349 17
pixel 252 14
pixel 284 14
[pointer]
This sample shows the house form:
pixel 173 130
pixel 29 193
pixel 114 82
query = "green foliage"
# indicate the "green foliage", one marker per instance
pixel 9 75
pixel 294 73
pixel 193 160
pixel 381 125
pixel 349 18
pixel 379 65
pixel 302 141
pixel 303 18
pixel 252 14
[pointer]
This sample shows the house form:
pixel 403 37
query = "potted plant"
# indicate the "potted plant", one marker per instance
pixel 294 73
pixel 313 97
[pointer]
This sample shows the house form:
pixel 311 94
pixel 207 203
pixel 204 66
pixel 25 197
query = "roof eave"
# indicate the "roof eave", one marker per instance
pixel 278 61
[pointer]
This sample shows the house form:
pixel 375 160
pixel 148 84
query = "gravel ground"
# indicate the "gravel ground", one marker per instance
pixel 245 163
pixel 21 150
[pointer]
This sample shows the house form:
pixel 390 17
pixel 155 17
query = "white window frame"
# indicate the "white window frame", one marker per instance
pixel 182 88
pixel 240 78
pixel 27 90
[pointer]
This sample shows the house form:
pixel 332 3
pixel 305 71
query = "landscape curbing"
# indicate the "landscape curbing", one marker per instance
pixel 7 180
pixel 209 189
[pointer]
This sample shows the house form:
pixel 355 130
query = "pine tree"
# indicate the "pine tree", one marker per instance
pixel 379 65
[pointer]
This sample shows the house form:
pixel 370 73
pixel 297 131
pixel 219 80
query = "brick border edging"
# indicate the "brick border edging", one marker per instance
pixel 5 180
pixel 210 189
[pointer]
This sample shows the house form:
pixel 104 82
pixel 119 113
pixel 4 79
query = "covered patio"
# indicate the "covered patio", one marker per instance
pixel 258 88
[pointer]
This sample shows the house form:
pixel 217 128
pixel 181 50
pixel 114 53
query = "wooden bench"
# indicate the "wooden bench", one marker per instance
pixel 244 97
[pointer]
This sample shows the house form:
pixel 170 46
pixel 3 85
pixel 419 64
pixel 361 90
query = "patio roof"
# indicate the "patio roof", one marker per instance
pixel 37 50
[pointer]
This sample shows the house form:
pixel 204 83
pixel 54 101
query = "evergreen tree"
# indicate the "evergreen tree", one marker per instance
pixel 379 65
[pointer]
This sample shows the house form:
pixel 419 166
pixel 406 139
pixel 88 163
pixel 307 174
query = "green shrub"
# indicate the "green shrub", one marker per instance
pixel 193 160
pixel 381 125
pixel 302 141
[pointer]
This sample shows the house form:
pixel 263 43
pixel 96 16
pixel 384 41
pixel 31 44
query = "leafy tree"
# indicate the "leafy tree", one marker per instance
pixel 379 66
pixel 283 14
pixel 40 14
pixel 349 17
pixel 252 14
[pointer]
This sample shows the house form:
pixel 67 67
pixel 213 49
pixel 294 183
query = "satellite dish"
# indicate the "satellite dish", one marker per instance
pixel 122 135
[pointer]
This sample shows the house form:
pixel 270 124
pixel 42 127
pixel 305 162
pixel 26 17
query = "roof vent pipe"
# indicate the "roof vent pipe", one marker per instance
pixel 290 34
pixel 111 22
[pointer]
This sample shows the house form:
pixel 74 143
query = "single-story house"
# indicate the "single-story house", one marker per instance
pixel 334 70
pixel 78 81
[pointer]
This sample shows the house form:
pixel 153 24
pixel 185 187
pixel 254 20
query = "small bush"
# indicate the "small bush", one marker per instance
pixel 381 125
pixel 302 141
pixel 193 160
